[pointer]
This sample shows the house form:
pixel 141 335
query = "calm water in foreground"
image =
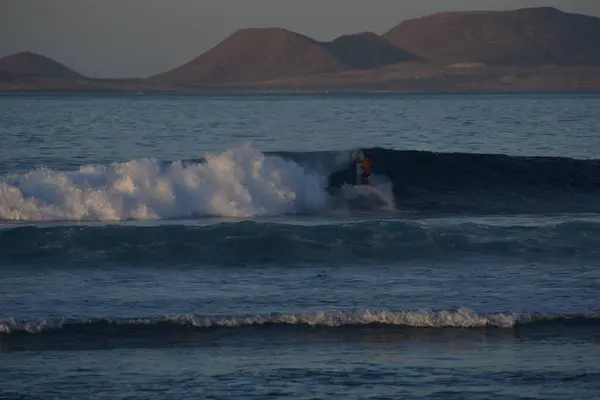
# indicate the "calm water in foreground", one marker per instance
pixel 156 247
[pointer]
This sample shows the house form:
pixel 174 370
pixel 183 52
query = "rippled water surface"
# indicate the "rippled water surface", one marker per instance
pixel 215 247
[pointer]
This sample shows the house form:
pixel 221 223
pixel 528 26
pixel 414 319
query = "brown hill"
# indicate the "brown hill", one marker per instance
pixel 255 54
pixel 368 50
pixel 28 64
pixel 271 53
pixel 529 36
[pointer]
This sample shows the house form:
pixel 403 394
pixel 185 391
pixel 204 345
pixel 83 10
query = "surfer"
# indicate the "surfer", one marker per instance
pixel 366 165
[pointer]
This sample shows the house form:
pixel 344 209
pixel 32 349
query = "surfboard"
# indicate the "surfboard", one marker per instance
pixel 366 198
pixel 359 156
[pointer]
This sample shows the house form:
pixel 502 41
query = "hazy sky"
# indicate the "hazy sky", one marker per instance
pixel 138 38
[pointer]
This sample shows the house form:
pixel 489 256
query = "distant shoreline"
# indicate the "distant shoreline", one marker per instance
pixel 242 93
pixel 527 50
pixel 418 78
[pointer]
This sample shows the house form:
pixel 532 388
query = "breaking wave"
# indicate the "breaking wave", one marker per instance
pixel 238 183
pixel 363 326
pixel 460 318
pixel 245 183
pixel 168 331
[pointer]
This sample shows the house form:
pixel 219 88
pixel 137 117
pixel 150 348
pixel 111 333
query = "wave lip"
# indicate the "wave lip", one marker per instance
pixel 461 318
pixel 483 183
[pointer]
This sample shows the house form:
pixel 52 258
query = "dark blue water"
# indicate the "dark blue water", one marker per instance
pixel 214 247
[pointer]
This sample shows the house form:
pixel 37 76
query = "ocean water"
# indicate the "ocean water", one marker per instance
pixel 168 247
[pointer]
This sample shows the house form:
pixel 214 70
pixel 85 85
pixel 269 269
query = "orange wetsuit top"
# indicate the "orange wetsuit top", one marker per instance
pixel 367 165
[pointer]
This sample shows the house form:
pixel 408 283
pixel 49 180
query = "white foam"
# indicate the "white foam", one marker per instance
pixel 461 318
pixel 241 182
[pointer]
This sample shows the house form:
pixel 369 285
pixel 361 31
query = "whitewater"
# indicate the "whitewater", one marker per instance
pixel 241 183
pixel 238 183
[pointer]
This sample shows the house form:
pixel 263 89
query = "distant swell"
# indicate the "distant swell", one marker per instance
pixel 248 242
pixel 246 183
